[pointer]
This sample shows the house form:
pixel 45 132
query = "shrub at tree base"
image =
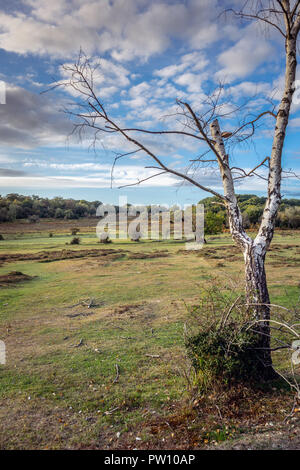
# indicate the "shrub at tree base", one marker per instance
pixel 223 357
pixel 75 241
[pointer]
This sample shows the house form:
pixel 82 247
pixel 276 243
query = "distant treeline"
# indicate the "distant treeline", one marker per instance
pixel 252 208
pixel 15 206
pixel 33 208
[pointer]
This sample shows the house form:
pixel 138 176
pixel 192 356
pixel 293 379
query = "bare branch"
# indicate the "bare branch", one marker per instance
pixel 146 131
pixel 251 172
pixel 249 16
pixel 205 137
pixel 141 181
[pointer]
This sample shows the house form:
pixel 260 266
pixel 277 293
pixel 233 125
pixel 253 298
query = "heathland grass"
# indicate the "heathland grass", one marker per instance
pixel 100 377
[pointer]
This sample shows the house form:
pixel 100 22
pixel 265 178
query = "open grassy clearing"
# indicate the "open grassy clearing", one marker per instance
pixel 79 377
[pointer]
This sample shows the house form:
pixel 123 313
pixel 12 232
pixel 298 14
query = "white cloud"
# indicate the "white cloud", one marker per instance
pixel 127 29
pixel 193 61
pixel 295 122
pixel 123 175
pixel 248 89
pixel 191 81
pixel 47 11
pixel 245 56
pixel 28 120
pixel 6 159
pixel 108 78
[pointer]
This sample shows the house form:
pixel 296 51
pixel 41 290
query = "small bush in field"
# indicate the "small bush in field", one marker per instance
pixel 105 240
pixel 75 241
pixel 74 231
pixel 50 235
pixel 1 237
pixel 33 219
pixel 136 237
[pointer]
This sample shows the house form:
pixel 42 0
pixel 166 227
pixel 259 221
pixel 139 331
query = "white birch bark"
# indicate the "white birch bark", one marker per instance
pixel 266 229
pixel 255 250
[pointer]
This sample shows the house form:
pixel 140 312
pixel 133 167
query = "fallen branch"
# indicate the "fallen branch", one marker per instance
pixel 111 411
pixel 118 374
pixel 89 303
pixel 219 413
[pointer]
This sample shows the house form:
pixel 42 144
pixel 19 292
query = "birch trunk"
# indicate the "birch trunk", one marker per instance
pixel 255 250
pixel 257 294
pixel 267 226
pixel 258 298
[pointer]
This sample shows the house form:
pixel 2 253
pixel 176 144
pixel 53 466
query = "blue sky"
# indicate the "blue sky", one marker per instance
pixel 150 53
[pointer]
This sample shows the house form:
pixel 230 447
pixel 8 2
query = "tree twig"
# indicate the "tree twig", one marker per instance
pixel 117 374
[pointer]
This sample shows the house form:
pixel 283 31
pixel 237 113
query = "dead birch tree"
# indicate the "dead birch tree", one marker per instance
pixel 91 113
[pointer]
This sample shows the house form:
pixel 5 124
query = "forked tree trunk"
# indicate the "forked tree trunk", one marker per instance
pixel 254 255
pixel 255 250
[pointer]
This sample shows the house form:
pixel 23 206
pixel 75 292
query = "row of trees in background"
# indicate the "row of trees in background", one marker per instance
pixel 252 208
pixel 33 208
pixel 16 206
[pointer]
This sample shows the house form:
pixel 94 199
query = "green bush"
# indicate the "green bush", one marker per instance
pixel 136 237
pixel 223 347
pixel 105 240
pixel 223 356
pixel 75 241
pixel 213 223
pixel 1 237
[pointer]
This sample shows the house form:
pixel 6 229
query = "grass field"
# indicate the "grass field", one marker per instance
pixel 114 375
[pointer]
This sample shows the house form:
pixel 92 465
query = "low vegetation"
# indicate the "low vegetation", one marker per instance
pixel 75 241
pixel 223 352
pixel 95 338
pixel 32 208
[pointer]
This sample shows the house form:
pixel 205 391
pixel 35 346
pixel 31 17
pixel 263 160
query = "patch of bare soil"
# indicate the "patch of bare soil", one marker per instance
pixel 51 225
pixel 233 253
pixel 144 310
pixel 14 277
pixel 154 254
pixel 278 247
pixel 282 264
pixel 228 253
pixel 40 425
pixel 280 259
pixel 49 256
pixel 187 252
pixel 286 439
pixel 129 309
pixel 237 419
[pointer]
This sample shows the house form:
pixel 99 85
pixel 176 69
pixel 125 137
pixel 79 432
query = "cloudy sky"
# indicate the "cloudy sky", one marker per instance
pixel 150 54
